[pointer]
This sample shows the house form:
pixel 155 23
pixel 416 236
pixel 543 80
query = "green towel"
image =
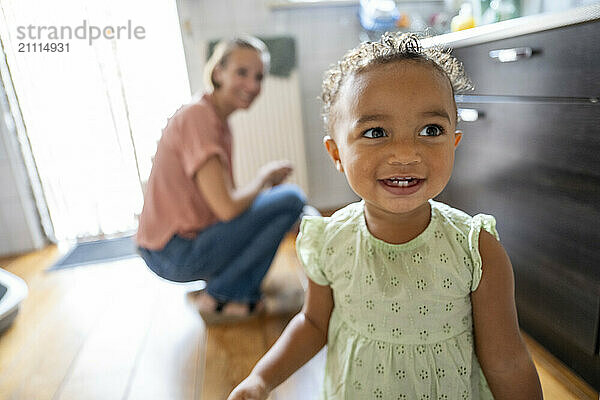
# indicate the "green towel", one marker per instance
pixel 283 54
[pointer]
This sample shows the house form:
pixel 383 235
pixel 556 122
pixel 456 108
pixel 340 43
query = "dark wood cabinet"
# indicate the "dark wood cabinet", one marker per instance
pixel 563 63
pixel 534 163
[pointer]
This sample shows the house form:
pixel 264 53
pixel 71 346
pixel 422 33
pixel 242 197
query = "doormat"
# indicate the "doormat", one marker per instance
pixel 96 252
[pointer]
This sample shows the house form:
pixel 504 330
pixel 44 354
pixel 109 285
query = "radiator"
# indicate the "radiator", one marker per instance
pixel 270 130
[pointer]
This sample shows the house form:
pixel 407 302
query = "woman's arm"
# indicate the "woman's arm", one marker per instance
pixel 502 354
pixel 304 336
pixel 226 201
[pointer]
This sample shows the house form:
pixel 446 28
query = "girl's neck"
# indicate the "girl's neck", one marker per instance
pixel 223 109
pixel 397 228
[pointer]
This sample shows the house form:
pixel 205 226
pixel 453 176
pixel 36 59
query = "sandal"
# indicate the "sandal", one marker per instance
pixel 217 316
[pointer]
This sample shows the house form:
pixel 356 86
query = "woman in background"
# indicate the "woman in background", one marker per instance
pixel 196 223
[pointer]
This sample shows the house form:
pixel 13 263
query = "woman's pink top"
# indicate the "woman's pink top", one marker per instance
pixel 173 202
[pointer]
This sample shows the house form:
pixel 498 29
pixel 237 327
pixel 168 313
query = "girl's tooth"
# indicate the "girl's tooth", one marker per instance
pixel 401 182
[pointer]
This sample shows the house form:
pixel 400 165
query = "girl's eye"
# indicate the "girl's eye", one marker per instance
pixel 432 130
pixel 242 72
pixel 374 133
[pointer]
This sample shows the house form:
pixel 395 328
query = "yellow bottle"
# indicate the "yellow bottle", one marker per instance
pixel 464 19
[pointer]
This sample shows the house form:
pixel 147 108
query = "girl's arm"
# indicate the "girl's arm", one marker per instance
pixel 502 354
pixel 304 336
pixel 226 201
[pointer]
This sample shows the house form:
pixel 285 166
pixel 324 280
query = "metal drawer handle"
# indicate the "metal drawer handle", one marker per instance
pixel 509 55
pixel 469 114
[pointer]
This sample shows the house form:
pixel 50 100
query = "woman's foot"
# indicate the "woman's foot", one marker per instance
pixel 214 311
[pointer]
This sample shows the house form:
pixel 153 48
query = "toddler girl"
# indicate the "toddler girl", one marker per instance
pixel 413 298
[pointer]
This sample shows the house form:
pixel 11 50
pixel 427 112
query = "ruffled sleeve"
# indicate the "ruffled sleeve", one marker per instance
pixel 478 222
pixel 309 246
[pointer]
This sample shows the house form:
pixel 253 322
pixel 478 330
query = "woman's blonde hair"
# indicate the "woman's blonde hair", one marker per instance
pixel 391 47
pixel 225 47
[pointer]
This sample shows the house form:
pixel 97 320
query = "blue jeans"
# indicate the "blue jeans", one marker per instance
pixel 234 256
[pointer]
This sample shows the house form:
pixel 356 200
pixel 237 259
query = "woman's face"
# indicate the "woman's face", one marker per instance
pixel 240 79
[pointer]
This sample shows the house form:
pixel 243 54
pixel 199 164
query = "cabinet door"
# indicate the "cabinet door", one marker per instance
pixel 564 64
pixel 536 167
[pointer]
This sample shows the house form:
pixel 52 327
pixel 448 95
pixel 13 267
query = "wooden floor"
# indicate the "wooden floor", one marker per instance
pixel 116 331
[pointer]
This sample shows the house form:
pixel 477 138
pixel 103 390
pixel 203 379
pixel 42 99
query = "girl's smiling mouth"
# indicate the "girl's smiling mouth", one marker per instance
pixel 401 185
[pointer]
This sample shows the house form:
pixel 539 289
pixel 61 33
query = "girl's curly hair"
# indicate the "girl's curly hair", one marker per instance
pixel 391 47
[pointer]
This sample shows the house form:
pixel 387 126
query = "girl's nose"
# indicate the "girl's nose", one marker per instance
pixel 403 151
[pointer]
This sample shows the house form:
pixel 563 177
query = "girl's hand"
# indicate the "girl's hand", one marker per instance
pixel 304 336
pixel 275 172
pixel 251 388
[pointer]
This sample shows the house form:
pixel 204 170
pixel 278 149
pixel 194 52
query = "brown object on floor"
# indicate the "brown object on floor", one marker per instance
pixel 116 331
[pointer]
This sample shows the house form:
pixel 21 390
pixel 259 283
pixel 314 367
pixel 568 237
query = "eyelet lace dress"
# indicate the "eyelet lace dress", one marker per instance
pixel 401 327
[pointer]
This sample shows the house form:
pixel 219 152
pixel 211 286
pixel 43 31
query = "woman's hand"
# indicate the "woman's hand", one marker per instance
pixel 275 172
pixel 251 388
pixel 224 199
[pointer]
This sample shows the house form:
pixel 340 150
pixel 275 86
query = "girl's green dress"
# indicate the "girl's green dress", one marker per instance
pixel 401 327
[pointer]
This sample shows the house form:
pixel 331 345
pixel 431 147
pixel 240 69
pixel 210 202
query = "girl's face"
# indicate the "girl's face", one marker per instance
pixel 394 135
pixel 240 79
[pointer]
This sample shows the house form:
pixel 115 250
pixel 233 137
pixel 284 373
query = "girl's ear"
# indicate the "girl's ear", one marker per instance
pixel 457 137
pixel 332 149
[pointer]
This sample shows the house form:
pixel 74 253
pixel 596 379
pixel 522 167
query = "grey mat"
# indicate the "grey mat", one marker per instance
pixel 96 252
